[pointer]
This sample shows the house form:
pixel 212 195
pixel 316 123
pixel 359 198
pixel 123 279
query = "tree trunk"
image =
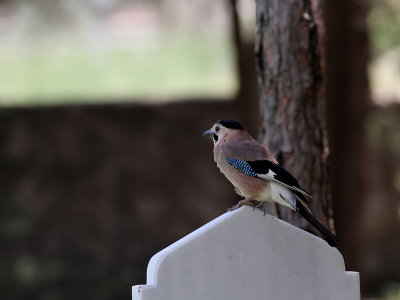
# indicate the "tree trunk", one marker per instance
pixel 246 99
pixel 290 53
pixel 347 101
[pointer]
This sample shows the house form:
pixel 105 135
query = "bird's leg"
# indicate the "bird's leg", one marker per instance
pixel 240 204
pixel 261 204
pixel 261 207
pixel 253 205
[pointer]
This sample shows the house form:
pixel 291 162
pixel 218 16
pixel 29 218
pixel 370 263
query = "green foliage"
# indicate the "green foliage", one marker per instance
pixel 392 291
pixel 384 24
pixel 384 127
pixel 71 71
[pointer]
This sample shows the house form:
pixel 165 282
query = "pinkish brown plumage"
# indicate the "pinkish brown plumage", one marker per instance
pixel 255 173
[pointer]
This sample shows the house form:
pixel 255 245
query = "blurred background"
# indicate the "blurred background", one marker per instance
pixel 103 103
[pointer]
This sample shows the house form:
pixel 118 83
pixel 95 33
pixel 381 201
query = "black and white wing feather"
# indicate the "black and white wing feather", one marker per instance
pixel 269 171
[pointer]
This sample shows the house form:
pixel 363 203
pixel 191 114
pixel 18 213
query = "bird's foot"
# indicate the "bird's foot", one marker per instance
pixel 253 205
pixel 261 207
pixel 240 204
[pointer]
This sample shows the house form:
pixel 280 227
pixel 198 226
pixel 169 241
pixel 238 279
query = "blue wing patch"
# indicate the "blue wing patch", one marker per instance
pixel 242 166
pixel 260 168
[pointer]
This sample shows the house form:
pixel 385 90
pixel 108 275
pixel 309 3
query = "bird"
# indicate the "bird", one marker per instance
pixel 256 175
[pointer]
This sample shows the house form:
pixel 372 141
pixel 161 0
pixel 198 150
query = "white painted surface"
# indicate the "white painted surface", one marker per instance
pixel 246 255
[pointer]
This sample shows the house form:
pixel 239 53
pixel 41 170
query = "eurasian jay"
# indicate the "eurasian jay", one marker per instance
pixel 255 173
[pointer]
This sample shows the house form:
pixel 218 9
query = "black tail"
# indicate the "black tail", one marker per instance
pixel 306 214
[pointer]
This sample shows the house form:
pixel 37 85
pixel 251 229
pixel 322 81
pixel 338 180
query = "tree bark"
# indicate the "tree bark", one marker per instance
pixel 290 62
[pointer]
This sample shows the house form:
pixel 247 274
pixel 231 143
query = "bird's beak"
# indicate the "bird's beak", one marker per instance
pixel 208 133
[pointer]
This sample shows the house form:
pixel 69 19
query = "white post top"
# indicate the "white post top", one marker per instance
pixel 246 255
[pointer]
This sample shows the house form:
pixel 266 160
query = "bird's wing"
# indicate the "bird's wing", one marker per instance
pixel 269 171
pixel 246 149
pixel 306 214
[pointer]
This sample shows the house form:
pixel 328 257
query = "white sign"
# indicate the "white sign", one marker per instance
pixel 245 254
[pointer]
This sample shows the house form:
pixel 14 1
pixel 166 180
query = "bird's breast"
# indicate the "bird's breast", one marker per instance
pixel 246 186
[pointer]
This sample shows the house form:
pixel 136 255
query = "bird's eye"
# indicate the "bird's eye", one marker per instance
pixel 217 128
pixel 215 137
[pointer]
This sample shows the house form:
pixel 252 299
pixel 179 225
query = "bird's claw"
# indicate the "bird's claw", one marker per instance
pixel 261 207
pixel 233 208
pixel 240 204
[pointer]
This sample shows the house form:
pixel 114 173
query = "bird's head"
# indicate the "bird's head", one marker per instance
pixel 222 129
